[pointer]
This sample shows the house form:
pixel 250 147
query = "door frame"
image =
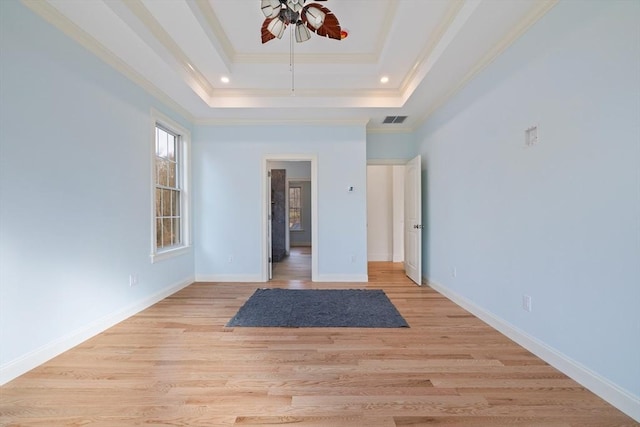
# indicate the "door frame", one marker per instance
pixel 405 162
pixel 391 164
pixel 264 222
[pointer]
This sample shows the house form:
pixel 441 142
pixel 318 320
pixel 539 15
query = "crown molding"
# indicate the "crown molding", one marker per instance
pixel 540 9
pixel 307 58
pixel 213 29
pixel 62 23
pixel 427 52
pixel 307 93
pixel 379 129
pixel 281 122
pixel 218 38
pixel 51 15
pixel 383 34
pixel 177 57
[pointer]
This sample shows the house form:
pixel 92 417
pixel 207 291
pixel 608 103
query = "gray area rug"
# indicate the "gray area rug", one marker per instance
pixel 316 308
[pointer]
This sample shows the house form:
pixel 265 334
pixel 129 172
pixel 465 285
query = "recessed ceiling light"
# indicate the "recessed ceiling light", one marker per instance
pixel 384 79
pixel 224 79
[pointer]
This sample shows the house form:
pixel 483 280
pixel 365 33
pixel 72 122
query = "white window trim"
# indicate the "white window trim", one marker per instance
pixel 158 118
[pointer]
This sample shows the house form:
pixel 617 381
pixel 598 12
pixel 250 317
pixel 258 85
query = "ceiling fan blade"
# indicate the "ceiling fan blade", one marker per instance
pixel 330 27
pixel 266 34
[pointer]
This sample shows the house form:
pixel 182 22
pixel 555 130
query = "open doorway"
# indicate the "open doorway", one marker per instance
pixel 297 265
pixel 385 213
pixel 394 215
pixel 291 218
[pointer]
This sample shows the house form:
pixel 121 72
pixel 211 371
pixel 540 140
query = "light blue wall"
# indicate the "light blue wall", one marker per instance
pixel 295 170
pixel 559 221
pixel 75 199
pixel 227 166
pixel 391 146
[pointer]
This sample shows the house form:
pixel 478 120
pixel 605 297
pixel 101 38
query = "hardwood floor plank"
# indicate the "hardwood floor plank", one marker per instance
pixel 176 363
pixel 342 421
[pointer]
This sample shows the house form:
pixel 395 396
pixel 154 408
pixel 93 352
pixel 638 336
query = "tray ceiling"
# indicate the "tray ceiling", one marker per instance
pixel 181 49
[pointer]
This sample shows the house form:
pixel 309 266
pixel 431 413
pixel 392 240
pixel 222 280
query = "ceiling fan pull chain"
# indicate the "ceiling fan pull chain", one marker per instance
pixel 291 61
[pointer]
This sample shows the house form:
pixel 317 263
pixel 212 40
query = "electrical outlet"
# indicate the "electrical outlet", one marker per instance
pixel 454 272
pixel 526 302
pixel 133 280
pixel 353 258
pixel 230 259
pixel 531 136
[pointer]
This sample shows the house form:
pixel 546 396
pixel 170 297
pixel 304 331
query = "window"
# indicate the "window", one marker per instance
pixel 170 232
pixel 295 208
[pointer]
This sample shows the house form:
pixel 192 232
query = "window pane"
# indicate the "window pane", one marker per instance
pixel 167 193
pixel 171 147
pixel 171 174
pixel 161 150
pixel 166 232
pixel 176 231
pixel 157 141
pixel 176 203
pixel 159 233
pixel 168 166
pixel 295 208
pixel 157 171
pixel 158 202
pixel 166 203
pixel 294 220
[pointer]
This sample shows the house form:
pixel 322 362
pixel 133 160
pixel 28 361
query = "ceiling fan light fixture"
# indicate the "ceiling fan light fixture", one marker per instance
pixel 276 27
pixel 315 17
pixel 271 8
pixel 289 16
pixel 295 5
pixel 282 13
pixel 302 33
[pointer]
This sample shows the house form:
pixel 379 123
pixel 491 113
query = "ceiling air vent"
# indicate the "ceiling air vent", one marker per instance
pixel 394 119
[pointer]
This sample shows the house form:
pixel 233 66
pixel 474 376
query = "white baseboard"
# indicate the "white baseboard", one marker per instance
pixel 622 399
pixel 249 278
pixel 342 278
pixel 243 278
pixel 37 357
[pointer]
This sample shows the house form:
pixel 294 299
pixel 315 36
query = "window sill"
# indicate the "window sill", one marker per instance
pixel 170 253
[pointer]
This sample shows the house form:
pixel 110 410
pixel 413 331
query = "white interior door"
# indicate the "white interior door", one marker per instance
pixel 413 220
pixel 269 227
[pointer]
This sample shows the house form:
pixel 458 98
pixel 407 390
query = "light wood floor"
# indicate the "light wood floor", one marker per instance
pixel 177 364
pixel 297 266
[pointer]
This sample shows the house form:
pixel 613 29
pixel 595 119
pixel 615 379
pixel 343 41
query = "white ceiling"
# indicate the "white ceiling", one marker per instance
pixel 180 49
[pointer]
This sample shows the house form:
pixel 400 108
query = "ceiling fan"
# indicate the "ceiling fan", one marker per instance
pixel 306 18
